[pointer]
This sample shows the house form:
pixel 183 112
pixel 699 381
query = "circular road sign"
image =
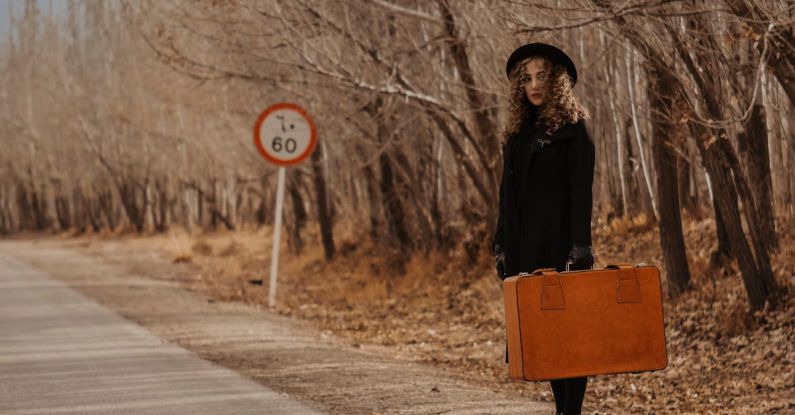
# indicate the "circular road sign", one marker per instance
pixel 284 134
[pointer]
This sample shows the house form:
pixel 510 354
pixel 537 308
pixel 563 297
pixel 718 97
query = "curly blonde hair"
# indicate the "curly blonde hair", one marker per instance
pixel 560 106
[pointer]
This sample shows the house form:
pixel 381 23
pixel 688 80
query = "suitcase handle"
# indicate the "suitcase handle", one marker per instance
pixel 552 296
pixel 544 271
pixel 627 284
pixel 619 265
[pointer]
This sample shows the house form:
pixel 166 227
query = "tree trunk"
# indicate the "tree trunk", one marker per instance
pixel 372 198
pixel 392 201
pixel 160 206
pixel 134 207
pixel 723 251
pixel 751 213
pixel 672 241
pixel 323 214
pixel 107 209
pixel 299 216
pixel 759 284
pixel 686 198
pixel 63 212
pixel 753 143
pixel 620 156
pixel 436 209
pixel 636 127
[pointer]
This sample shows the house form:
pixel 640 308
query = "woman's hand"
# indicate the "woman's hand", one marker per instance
pixel 499 260
pixel 580 257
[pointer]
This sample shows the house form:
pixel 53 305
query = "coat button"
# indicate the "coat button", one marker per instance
pixel 511 172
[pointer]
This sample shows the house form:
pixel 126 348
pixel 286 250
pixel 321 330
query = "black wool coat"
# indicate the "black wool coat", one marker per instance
pixel 540 221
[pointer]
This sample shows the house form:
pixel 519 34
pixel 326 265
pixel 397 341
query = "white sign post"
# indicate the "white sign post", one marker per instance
pixel 277 232
pixel 284 135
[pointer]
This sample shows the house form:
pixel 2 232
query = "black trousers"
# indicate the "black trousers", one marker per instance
pixel 569 394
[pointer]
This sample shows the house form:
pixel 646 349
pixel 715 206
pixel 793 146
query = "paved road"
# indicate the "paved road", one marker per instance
pixel 62 353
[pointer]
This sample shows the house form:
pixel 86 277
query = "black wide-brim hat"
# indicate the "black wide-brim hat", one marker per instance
pixel 543 49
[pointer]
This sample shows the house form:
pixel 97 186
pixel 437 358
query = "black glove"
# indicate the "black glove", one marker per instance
pixel 499 260
pixel 580 257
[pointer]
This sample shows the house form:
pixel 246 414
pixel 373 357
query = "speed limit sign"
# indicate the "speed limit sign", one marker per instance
pixel 285 135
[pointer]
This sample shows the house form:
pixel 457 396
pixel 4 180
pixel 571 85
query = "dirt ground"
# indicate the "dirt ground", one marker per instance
pixel 354 337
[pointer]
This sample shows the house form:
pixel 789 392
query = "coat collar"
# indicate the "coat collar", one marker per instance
pixel 539 138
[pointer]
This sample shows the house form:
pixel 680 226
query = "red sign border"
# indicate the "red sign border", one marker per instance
pixel 261 148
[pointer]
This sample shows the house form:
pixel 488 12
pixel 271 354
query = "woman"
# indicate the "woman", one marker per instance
pixel 545 190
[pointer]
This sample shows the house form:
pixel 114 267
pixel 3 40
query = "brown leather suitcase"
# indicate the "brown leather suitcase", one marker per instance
pixel 584 323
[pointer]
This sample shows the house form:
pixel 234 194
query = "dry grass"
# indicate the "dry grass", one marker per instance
pixel 201 247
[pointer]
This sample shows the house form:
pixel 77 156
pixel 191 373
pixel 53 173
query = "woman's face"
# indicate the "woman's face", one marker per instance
pixel 534 80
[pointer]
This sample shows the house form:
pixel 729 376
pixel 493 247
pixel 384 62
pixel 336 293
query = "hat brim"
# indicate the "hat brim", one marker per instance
pixel 546 50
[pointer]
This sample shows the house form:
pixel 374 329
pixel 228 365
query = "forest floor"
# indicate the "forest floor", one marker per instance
pixel 446 316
